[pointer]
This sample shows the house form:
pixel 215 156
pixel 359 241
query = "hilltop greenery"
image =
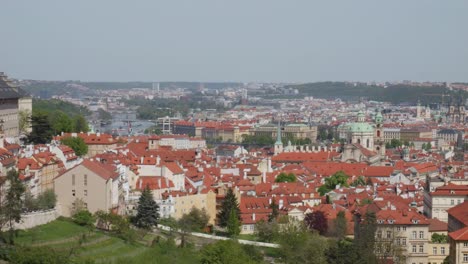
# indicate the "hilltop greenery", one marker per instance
pixel 395 93
pixel 54 105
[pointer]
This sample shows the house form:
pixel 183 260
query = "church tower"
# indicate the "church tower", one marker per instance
pixel 279 142
pixel 418 110
pixel 379 142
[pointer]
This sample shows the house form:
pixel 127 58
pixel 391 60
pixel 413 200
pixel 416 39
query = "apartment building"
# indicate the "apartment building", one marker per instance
pixel 97 186
pixel 437 203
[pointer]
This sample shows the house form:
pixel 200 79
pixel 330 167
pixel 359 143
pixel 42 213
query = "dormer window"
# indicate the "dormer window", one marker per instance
pixel 391 221
pixel 415 221
pixel 380 221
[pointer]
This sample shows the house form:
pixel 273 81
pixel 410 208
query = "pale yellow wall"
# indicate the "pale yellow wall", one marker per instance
pixel 183 205
pixel 96 193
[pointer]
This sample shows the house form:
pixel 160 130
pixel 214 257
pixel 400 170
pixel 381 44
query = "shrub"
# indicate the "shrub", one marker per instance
pixel 83 218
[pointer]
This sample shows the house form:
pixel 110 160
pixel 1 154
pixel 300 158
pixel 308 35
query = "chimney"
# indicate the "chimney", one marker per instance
pixel 158 160
pixel 167 182
pixel 264 177
pixel 159 183
pixel 253 216
pixel 141 159
pixel 141 184
pixel 245 174
pixel 280 204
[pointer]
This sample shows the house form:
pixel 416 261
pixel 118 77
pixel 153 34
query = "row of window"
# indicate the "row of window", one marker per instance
pixel 85 192
pixel 415 247
pixel 442 251
pixel 85 180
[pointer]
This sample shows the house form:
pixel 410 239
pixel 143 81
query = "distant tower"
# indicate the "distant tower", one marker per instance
pixel 361 118
pixel 279 142
pixel 418 110
pixel 379 142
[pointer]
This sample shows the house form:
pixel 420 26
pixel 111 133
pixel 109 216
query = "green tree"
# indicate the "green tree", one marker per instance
pixel 439 238
pixel 229 203
pixel 147 211
pixel 80 124
pixel 233 225
pixel 266 231
pixel 83 218
pixel 364 233
pixel 360 181
pixel 11 207
pixel 339 178
pixel 46 200
pixel 225 252
pixel 41 129
pixel 274 211
pixel 60 122
pixel 77 144
pixel 196 220
pixel 283 177
pixel 342 251
pixel 298 245
pixel 340 225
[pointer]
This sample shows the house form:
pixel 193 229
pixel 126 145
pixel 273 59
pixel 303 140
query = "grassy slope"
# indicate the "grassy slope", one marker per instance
pixel 62 235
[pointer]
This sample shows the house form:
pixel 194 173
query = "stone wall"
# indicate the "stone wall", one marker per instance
pixel 30 220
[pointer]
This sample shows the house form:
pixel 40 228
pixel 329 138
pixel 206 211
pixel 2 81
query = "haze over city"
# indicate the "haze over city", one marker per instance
pixel 271 41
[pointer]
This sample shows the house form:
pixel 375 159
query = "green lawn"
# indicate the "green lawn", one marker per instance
pixel 56 230
pixel 63 236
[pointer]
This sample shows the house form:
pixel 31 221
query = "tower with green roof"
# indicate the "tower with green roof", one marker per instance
pixel 279 142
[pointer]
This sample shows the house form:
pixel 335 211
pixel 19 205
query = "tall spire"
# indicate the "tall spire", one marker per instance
pixel 278 134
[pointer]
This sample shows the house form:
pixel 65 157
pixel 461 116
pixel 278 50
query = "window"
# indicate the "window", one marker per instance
pixel 398 241
pixel 398 228
pixel 421 248
pixel 85 192
pixel 434 251
pixel 389 234
pixel 403 241
pixel 73 192
pixel 452 202
pixel 465 257
pixel 404 228
pixel 85 180
pixel 414 234
pixel 442 250
pixel 379 234
pixel 414 248
pixel 73 179
pixel 421 234
pixel 465 244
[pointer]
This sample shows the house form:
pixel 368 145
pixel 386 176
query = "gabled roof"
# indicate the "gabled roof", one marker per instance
pixel 105 171
pixel 460 212
pixel 460 235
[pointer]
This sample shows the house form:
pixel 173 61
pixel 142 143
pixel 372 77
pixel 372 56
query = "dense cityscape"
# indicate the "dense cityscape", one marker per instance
pixel 233 132
pixel 244 166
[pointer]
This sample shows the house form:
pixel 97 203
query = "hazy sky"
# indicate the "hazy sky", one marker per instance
pixel 236 40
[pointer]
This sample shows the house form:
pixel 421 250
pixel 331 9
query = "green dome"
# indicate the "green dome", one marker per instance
pixel 360 127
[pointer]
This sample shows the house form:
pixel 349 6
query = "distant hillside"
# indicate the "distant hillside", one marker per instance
pixel 395 94
pixel 54 105
pixel 46 89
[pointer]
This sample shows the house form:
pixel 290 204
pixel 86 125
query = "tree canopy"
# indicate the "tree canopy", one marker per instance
pixel 147 211
pixel 339 178
pixel 283 177
pixel 229 203
pixel 77 144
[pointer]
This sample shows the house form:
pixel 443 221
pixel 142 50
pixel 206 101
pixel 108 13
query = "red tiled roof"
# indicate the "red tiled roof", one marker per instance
pixel 460 212
pixel 106 171
pixel 460 235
